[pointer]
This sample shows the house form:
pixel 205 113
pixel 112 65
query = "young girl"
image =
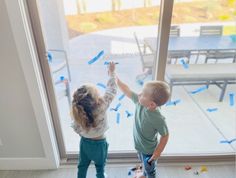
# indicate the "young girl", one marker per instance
pixel 90 122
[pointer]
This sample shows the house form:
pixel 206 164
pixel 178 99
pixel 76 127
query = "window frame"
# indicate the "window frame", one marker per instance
pixel 166 9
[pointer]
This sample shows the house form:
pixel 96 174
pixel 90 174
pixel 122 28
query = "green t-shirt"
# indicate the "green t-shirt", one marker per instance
pixel 147 125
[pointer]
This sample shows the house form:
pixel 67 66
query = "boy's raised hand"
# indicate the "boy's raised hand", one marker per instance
pixel 124 88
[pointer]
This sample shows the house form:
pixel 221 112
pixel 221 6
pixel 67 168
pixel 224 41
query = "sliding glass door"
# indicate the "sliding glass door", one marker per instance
pixel 148 40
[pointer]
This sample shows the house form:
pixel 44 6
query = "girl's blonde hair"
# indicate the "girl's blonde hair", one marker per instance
pixel 85 101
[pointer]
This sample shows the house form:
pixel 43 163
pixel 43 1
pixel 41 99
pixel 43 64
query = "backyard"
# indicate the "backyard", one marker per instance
pixel 197 122
pixel 185 12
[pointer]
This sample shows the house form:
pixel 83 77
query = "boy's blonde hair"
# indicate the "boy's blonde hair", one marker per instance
pixel 85 101
pixel 160 92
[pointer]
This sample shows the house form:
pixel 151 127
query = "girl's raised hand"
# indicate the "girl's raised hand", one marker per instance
pixel 111 67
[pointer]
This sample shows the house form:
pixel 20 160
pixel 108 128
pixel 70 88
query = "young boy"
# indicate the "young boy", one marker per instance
pixel 148 122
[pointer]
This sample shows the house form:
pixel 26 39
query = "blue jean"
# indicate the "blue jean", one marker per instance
pixel 92 150
pixel 149 168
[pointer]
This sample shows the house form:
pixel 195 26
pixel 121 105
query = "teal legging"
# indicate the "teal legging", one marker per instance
pixel 92 150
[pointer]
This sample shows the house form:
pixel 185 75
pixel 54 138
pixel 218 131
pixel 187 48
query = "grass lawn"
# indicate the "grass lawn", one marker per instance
pixel 188 12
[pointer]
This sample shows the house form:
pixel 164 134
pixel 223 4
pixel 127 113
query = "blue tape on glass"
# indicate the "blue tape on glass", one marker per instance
pixel 62 78
pixel 128 113
pixel 212 109
pixel 140 82
pixel 49 57
pixel 169 103
pixel 233 38
pixel 199 90
pixel 116 108
pixel 231 99
pixel 96 57
pixel 184 64
pixel 228 141
pixel 121 97
pixel 107 63
pixel 101 85
pixel 118 118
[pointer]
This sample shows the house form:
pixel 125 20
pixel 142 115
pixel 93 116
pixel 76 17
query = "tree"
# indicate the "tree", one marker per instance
pixel 81 6
pixel 116 5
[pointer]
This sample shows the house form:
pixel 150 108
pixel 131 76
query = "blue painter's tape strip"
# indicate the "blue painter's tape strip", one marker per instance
pixel 231 99
pixel 62 78
pixel 49 57
pixel 116 108
pixel 96 57
pixel 101 85
pixel 173 102
pixel 228 141
pixel 199 90
pixel 128 113
pixel 118 118
pixel 184 64
pixel 140 82
pixel 107 63
pixel 121 97
pixel 212 109
pixel 100 53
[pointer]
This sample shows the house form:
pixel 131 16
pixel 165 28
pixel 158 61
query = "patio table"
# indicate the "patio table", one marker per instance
pixel 176 75
pixel 194 43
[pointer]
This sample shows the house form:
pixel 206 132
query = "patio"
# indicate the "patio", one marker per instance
pixel 193 130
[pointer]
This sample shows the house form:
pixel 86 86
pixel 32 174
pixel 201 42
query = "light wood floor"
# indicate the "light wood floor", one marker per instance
pixel 218 170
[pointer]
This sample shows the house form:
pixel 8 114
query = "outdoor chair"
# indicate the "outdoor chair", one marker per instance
pixel 174 31
pixel 146 59
pixel 221 54
pixel 212 30
pixel 176 55
pixel 58 60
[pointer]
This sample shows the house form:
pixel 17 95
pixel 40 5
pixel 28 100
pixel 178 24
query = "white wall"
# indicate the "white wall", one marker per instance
pixel 26 131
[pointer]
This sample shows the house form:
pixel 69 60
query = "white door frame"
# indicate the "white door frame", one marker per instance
pixel 37 31
pixel 27 54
